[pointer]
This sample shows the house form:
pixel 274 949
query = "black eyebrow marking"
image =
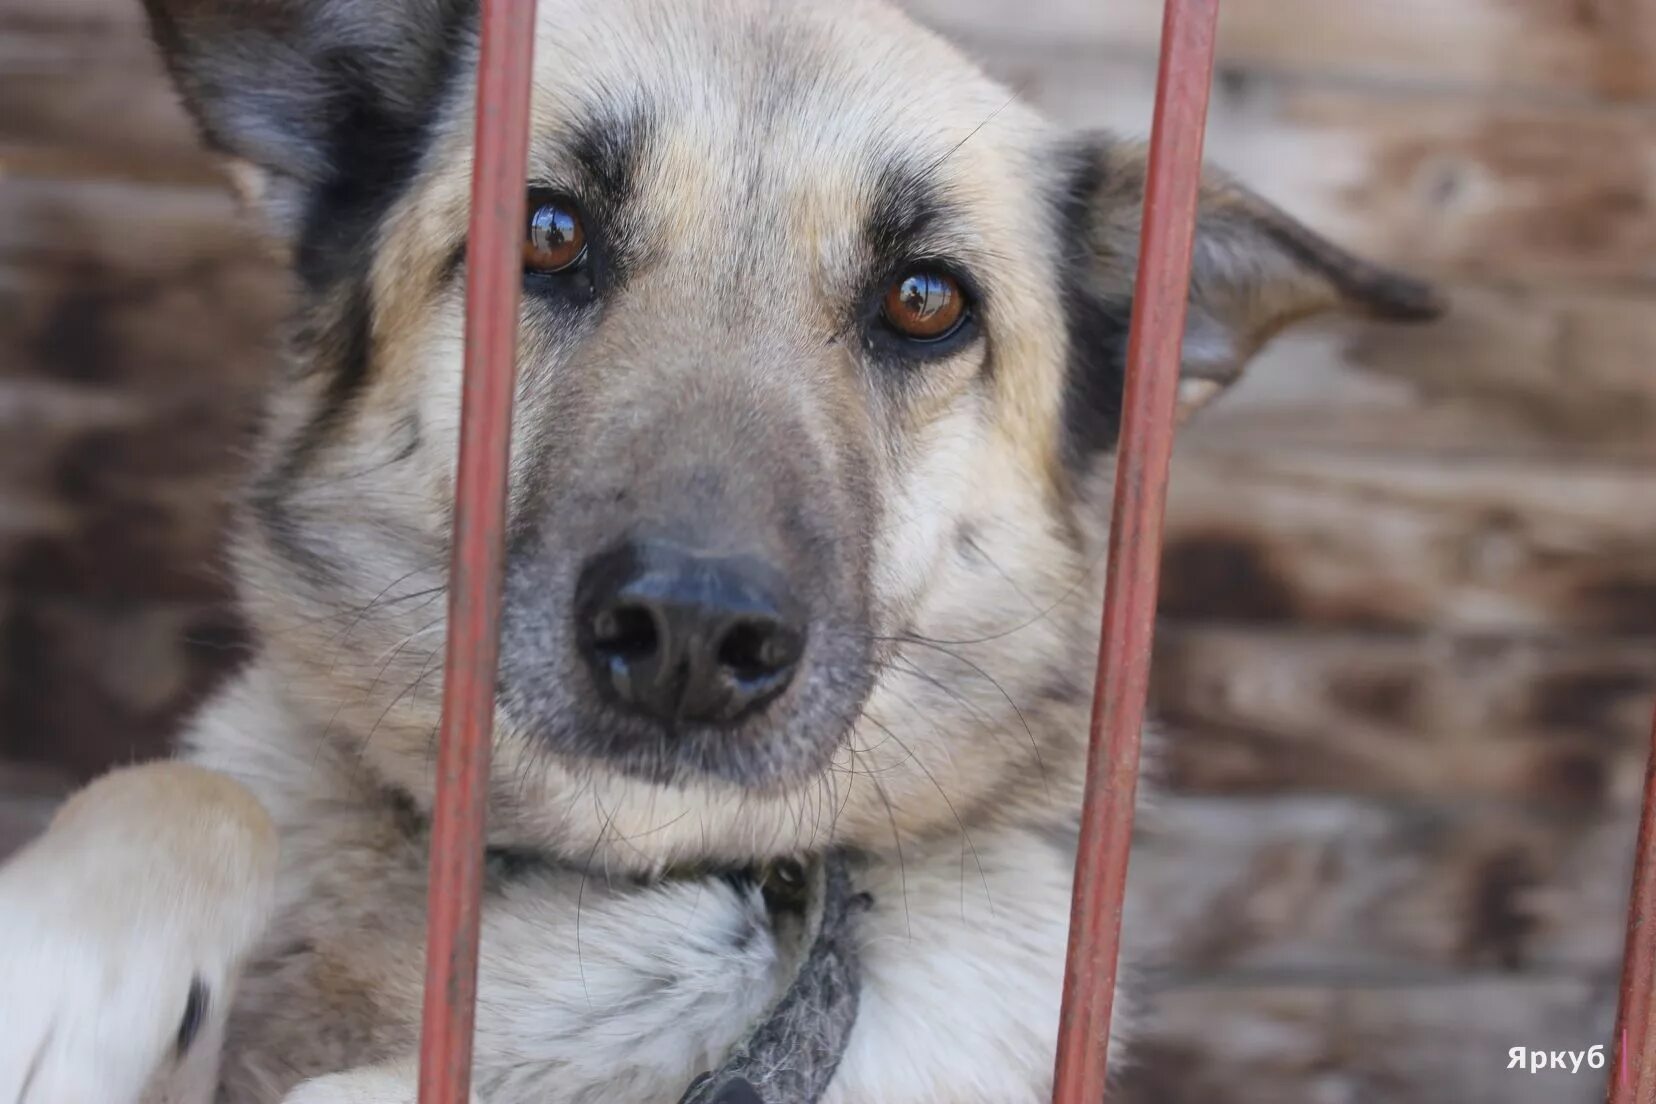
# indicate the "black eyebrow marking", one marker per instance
pixel 604 154
pixel 608 149
pixel 907 206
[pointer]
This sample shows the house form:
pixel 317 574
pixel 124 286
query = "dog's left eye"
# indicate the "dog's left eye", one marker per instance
pixel 925 305
pixel 556 240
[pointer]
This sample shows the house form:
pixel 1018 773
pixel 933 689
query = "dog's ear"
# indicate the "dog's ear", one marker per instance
pixel 1254 271
pixel 314 98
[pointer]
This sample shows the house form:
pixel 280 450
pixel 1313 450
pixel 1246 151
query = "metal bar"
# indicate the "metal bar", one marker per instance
pixel 494 275
pixel 1633 1047
pixel 1159 304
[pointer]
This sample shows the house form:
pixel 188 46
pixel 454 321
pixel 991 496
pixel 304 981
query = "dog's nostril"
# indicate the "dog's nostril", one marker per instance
pixel 757 648
pixel 628 632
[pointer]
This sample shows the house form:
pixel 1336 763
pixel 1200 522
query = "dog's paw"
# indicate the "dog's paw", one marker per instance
pixel 83 1025
pixel 121 932
pixel 394 1084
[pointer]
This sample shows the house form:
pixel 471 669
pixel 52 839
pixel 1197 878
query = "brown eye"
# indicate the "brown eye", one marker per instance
pixel 556 240
pixel 925 305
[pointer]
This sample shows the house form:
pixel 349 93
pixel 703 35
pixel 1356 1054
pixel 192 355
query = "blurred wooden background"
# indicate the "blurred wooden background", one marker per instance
pixel 1409 645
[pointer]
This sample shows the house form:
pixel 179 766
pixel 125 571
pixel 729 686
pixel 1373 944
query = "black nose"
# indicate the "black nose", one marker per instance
pixel 685 637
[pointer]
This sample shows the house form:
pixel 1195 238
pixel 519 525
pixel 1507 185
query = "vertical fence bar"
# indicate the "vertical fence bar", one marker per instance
pixel 494 274
pixel 1159 303
pixel 1633 1048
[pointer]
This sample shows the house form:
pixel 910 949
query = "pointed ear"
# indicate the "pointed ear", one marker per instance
pixel 1254 271
pixel 325 104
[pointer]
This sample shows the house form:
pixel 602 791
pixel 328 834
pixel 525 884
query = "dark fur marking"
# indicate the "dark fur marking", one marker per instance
pixel 606 152
pixel 510 864
pixel 1097 326
pixel 741 880
pixel 349 364
pixel 1097 372
pixel 269 507
pixel 374 152
pixel 409 429
pixel 374 148
pixel 410 820
pixel 608 149
pixel 906 206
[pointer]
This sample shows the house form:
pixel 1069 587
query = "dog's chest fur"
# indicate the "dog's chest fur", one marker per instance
pixel 610 988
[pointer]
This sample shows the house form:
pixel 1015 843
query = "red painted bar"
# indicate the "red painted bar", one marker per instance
pixel 1633 1048
pixel 494 275
pixel 1188 32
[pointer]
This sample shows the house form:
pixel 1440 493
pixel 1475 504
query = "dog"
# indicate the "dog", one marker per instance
pixel 820 372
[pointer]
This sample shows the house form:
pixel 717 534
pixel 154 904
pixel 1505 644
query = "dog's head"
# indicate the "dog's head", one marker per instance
pixel 821 355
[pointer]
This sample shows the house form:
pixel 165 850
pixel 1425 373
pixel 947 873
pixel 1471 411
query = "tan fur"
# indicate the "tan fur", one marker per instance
pixel 956 777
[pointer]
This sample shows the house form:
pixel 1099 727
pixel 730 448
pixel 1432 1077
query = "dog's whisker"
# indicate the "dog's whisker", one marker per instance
pixel 1034 745
pixel 580 894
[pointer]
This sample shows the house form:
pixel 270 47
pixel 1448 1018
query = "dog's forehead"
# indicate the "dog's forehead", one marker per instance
pixel 721 103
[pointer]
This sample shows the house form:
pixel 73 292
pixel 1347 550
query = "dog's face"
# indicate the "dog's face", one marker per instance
pixel 819 372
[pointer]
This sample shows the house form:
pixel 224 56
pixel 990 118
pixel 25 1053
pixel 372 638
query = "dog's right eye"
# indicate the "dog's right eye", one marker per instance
pixel 556 240
pixel 925 305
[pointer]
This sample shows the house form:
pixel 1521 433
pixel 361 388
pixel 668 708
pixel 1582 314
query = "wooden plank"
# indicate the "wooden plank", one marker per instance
pixel 1460 187
pixel 64 36
pixel 1552 47
pixel 104 121
pixel 113 537
pixel 1481 190
pixel 89 17
pixel 133 366
pixel 1585 47
pixel 1398 544
pixel 120 498
pixel 92 683
pixel 66 224
pixel 1562 722
pixel 1444 1044
pixel 92 98
pixel 1508 372
pixel 194 328
pixel 1347 891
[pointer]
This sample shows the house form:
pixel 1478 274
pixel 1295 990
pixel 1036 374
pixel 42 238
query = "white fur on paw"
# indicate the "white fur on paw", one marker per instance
pixel 90 1019
pixel 397 1085
pixel 121 931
